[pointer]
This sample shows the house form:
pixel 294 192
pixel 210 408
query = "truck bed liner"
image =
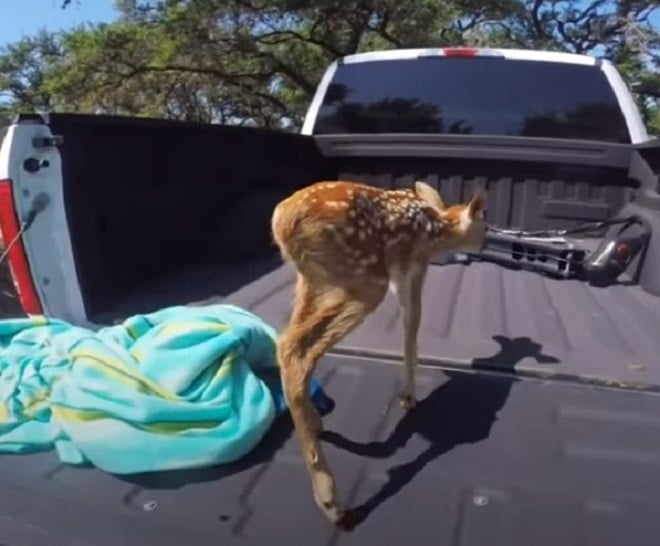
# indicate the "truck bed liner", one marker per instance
pixel 608 335
pixel 483 459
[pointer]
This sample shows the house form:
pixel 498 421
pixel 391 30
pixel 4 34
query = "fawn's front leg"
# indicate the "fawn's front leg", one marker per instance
pixel 407 284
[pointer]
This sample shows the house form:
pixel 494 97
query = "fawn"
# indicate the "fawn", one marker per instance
pixel 347 242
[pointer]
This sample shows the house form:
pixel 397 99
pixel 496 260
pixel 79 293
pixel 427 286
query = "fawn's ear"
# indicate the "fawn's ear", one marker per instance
pixel 476 205
pixel 429 194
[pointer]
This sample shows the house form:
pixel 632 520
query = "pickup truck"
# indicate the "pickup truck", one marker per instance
pixel 539 415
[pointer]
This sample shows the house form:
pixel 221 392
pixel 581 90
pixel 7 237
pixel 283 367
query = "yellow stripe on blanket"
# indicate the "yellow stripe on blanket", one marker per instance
pixel 36 403
pixel 183 328
pixel 178 329
pixel 115 368
pixel 164 427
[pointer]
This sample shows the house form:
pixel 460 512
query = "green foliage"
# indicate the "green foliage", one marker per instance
pixel 258 61
pixel 25 69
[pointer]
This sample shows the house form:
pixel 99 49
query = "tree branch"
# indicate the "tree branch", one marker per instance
pixel 287 35
pixel 536 19
pixel 648 90
pixel 281 66
pixel 225 76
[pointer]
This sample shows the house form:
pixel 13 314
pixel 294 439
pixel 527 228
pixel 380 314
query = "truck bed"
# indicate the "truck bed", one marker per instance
pixel 486 459
pixel 483 460
pixel 490 458
pixel 604 335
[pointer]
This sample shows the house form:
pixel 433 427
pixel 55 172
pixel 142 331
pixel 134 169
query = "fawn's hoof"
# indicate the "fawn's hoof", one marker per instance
pixel 326 496
pixel 333 513
pixel 407 401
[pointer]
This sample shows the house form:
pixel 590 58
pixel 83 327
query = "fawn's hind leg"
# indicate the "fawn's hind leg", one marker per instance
pixel 407 285
pixel 333 313
pixel 303 306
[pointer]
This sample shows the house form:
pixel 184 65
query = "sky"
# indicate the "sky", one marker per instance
pixel 24 17
pixel 20 18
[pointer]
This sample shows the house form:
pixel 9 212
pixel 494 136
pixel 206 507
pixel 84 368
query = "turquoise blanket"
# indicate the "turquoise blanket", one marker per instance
pixel 182 387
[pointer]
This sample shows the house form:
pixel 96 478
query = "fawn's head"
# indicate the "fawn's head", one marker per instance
pixel 465 226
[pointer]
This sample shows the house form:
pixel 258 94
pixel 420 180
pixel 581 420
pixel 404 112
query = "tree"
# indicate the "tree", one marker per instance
pixel 24 73
pixel 259 61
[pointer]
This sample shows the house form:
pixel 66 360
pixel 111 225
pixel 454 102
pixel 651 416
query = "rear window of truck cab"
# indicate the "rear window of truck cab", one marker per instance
pixel 477 96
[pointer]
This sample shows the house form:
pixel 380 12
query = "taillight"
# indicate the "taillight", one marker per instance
pixel 18 263
pixel 461 52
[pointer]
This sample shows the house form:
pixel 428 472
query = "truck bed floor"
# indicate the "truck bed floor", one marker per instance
pixel 483 460
pixel 608 335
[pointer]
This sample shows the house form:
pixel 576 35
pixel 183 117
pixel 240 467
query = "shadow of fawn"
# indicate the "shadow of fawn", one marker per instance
pixel 433 418
pixel 460 411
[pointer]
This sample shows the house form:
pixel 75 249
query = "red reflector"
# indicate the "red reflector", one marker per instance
pixel 460 52
pixel 18 263
pixel 623 250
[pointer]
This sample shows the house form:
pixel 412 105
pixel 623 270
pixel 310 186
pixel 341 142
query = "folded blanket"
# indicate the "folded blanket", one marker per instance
pixel 178 388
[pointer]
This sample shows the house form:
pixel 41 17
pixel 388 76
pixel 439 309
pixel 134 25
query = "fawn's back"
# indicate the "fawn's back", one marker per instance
pixel 347 230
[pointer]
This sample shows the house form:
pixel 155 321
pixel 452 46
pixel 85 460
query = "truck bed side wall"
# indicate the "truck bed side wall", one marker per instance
pixel 531 183
pixel 147 196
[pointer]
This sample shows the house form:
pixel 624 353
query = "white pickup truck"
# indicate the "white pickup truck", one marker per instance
pixel 540 422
